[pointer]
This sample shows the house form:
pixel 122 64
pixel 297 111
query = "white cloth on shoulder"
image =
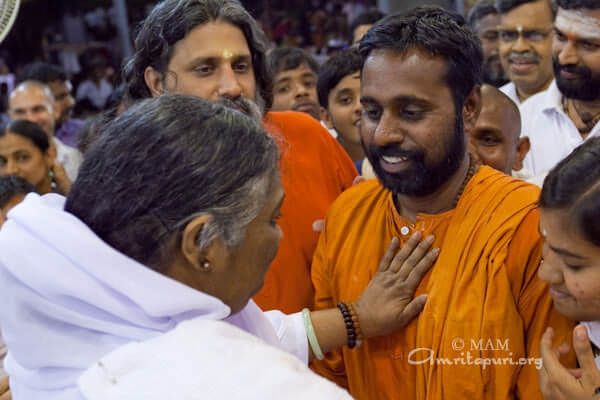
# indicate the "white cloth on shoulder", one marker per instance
pixel 202 359
pixel 68 299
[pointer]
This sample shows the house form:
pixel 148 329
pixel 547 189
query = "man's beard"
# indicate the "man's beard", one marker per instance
pixel 254 110
pixel 585 88
pixel 423 178
pixel 493 73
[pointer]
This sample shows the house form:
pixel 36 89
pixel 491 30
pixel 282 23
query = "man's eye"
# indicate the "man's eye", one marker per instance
pixel 508 36
pixel 282 89
pixel 22 157
pixel 242 67
pixel 560 37
pixel 204 69
pixel 489 140
pixel 345 100
pixel 412 114
pixel 589 46
pixel 309 84
pixel 372 113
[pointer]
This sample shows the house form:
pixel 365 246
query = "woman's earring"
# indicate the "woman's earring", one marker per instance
pixel 52 181
pixel 204 266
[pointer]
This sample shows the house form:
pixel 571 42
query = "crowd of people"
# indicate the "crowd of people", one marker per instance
pixel 412 214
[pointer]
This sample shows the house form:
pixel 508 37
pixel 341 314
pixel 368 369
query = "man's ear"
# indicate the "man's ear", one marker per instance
pixel 471 108
pixel 154 81
pixel 326 118
pixel 523 146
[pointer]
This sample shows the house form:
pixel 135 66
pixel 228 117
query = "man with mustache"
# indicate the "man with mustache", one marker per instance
pixel 215 50
pixel 484 20
pixel 525 46
pixel 564 116
pixel 420 91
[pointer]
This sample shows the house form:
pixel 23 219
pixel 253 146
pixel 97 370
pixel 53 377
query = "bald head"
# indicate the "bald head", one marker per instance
pixel 496 136
pixel 33 101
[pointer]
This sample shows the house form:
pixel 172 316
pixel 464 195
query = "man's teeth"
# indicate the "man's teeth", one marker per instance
pixel 393 160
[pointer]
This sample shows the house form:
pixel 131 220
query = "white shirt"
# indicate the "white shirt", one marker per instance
pixel 69 157
pixel 511 91
pixel 552 133
pixel 96 94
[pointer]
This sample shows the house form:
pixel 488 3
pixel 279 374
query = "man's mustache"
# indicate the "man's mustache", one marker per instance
pixel 527 57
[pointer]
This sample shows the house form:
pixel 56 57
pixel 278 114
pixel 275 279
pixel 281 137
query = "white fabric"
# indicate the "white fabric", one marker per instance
pixel 97 94
pixel 68 299
pixel 332 131
pixel 510 90
pixel 203 359
pixel 552 134
pixel 527 176
pixel 69 157
pixel 593 328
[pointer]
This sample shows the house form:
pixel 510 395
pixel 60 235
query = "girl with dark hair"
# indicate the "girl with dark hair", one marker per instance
pixel 26 151
pixel 570 225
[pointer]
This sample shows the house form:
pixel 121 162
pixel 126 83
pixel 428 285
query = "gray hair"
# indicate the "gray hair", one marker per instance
pixel 151 171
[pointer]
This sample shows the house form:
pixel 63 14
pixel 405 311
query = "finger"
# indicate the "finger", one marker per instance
pixel 358 180
pixel 584 352
pixel 6 396
pixel 413 309
pixel 557 374
pixel 389 255
pixel 575 373
pixel 318 225
pixel 415 257
pixel 405 251
pixel 416 275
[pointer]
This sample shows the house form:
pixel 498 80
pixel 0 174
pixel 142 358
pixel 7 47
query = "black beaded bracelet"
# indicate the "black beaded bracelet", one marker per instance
pixel 349 324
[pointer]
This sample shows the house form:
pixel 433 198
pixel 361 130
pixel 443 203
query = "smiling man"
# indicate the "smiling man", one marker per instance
pixel 215 50
pixel 564 116
pixel 420 90
pixel 526 46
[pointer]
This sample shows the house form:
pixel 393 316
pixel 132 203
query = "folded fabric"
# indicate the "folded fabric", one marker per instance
pixel 202 359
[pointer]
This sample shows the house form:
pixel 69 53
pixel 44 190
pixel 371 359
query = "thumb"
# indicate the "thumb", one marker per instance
pixel 318 225
pixel 413 309
pixel 583 349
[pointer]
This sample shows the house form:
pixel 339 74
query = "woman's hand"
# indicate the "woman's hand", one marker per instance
pixel 63 183
pixel 387 303
pixel 4 389
pixel 559 383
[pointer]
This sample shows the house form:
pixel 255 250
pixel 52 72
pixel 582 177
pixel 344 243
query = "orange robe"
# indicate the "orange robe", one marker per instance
pixel 315 169
pixel 485 301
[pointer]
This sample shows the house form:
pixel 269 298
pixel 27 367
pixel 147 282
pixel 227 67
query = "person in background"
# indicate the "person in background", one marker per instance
pixel 484 20
pixel 26 152
pixel 338 88
pixel 495 138
pixel 294 81
pixel 169 231
pixel 361 24
pixel 526 46
pixel 13 190
pixel 420 93
pixel 33 101
pixel 67 128
pixel 568 112
pixel 96 87
pixel 569 224
pixel 226 49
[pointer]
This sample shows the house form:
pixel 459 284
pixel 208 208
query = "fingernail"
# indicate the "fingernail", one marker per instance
pixel 580 334
pixel 437 250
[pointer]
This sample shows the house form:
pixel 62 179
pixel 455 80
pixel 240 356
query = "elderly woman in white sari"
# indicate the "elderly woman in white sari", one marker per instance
pixel 144 275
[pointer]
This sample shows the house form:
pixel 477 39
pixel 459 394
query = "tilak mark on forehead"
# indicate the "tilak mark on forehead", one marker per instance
pixel 576 24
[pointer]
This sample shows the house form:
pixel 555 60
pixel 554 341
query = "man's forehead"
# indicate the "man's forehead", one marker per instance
pixel 301 70
pixel 29 97
pixel 578 24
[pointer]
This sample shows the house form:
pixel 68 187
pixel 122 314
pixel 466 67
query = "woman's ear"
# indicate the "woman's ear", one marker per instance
pixel 200 259
pixel 154 81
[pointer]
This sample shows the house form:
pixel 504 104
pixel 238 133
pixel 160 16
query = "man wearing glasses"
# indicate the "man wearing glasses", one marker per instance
pixel 526 46
pixel 565 115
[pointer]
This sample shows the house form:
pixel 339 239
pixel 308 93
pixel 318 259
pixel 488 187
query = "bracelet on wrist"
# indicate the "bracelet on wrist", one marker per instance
pixel 311 335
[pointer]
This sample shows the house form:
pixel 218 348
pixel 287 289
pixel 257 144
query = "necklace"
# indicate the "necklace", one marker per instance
pixel 473 167
pixel 588 120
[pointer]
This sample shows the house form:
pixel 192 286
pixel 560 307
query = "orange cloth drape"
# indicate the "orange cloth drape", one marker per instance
pixel 315 169
pixel 485 302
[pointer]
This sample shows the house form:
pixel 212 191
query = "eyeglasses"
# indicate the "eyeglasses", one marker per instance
pixel 532 36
